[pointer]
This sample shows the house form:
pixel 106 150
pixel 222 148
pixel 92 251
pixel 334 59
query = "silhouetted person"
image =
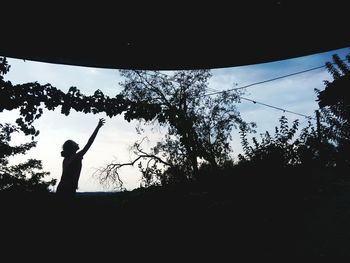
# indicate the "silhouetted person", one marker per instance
pixel 72 164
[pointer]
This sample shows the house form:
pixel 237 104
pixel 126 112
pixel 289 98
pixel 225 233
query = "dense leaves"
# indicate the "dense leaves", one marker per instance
pixel 27 176
pixel 23 177
pixel 287 148
pixel 334 102
pixel 32 98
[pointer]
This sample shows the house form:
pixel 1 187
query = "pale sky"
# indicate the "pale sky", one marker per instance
pixel 294 93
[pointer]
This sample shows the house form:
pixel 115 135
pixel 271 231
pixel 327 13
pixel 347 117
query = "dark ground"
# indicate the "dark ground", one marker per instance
pixel 179 222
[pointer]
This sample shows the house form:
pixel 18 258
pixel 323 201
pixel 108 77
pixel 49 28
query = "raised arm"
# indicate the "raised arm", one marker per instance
pixel 92 137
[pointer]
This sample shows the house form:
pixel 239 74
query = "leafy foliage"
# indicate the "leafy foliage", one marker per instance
pixel 27 176
pixel 280 150
pixel 31 99
pixel 24 177
pixel 334 102
pixel 288 165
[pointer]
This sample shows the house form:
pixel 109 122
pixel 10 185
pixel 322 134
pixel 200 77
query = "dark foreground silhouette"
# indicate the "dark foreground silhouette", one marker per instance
pixel 182 221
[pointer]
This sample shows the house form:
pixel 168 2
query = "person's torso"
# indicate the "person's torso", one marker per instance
pixel 71 170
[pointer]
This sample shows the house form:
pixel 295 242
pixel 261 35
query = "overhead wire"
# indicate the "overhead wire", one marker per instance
pixel 277 108
pixel 214 92
pixel 272 106
pixel 268 80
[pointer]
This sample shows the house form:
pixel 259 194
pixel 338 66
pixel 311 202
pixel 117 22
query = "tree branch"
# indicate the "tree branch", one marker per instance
pixel 110 174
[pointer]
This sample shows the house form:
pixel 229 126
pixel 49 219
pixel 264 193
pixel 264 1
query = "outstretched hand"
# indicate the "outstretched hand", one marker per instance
pixel 101 122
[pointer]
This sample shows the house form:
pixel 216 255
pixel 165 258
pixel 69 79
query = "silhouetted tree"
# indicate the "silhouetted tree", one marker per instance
pixel 27 176
pixel 282 149
pixel 198 126
pixel 287 148
pixel 288 164
pixel 31 99
pixel 23 177
pixel 334 102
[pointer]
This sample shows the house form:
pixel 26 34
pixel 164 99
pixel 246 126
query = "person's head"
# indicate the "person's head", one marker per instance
pixel 70 147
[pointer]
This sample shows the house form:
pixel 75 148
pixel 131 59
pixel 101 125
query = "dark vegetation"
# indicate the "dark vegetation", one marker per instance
pixel 286 195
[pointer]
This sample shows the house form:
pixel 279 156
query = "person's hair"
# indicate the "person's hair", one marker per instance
pixel 69 148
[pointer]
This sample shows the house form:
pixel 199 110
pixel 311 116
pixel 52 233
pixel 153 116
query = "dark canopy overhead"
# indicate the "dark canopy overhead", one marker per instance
pixel 172 36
